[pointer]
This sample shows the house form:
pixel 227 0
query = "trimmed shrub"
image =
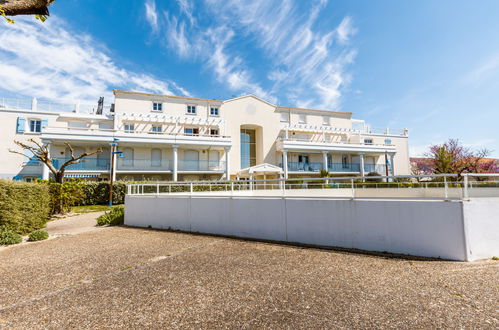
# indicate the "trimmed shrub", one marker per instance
pixel 115 217
pixel 38 235
pixel 64 195
pixel 24 207
pixel 97 193
pixel 9 236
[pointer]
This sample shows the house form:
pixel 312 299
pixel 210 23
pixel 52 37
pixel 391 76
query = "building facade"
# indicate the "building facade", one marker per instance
pixel 172 138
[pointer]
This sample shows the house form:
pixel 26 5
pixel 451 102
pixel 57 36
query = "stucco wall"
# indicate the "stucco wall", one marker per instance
pixel 415 227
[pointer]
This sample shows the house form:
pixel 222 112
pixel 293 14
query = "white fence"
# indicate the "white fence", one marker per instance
pixel 443 186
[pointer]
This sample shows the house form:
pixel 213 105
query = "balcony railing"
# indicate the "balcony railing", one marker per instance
pixel 319 139
pixel 42 105
pixel 85 164
pixel 201 165
pixel 334 167
pixel 137 164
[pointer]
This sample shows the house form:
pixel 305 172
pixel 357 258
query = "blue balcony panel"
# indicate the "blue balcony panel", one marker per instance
pixel 85 164
pixel 137 164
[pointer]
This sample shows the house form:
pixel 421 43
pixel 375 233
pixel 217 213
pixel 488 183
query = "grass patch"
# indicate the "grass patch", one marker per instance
pixel 92 208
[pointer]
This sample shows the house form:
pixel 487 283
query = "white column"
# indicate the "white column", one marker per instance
pixel 227 163
pixel 34 104
pixel 285 163
pixel 362 169
pixel 175 162
pixel 392 163
pixel 324 161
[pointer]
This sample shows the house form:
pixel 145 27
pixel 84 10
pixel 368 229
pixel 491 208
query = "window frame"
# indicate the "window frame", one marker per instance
pixel 326 120
pixel 217 111
pixel 214 130
pixel 128 130
pixel 158 106
pixel 189 109
pixel 153 127
pixel 37 126
pixel 369 141
pixel 195 131
pixel 302 118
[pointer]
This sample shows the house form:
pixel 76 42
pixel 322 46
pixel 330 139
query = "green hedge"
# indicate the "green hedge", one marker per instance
pixel 115 217
pixel 98 193
pixel 24 207
pixel 38 235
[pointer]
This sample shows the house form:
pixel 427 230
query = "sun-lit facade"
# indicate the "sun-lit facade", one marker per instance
pixel 172 138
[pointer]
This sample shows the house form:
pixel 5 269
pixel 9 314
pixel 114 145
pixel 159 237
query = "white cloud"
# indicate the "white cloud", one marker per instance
pixel 186 7
pixel 47 61
pixel 313 62
pixel 152 15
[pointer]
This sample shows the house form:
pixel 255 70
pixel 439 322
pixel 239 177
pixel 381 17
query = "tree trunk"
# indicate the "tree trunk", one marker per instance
pixel 25 7
pixel 58 177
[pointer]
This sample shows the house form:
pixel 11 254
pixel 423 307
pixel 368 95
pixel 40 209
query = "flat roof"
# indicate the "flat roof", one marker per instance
pixel 117 91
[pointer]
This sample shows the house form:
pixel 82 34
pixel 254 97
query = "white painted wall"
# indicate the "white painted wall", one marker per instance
pixel 423 228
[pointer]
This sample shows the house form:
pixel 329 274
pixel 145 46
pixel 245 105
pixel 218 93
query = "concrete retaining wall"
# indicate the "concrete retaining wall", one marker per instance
pixel 416 227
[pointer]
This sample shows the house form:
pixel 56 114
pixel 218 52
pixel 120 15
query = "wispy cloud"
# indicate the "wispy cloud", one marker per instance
pixel 49 61
pixel 309 62
pixel 152 15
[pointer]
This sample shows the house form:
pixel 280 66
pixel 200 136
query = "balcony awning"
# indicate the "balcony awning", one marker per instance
pixel 260 169
pixel 82 175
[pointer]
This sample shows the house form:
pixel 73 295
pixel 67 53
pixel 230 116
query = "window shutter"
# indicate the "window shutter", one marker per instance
pixel 21 122
pixel 45 123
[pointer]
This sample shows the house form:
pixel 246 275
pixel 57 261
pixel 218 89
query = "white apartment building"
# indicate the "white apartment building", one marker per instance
pixel 163 137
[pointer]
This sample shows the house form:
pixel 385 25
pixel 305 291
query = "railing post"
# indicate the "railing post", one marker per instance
pixel 191 187
pixel 466 192
pixel 446 188
pixel 157 188
pixel 232 187
pixel 169 188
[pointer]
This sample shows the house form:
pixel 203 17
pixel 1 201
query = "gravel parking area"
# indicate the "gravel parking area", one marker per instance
pixel 136 278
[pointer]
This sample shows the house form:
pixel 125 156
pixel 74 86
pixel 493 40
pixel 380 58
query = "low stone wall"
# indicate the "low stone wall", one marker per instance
pixel 452 230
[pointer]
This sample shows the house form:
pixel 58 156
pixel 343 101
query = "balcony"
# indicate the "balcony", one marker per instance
pixel 317 144
pixel 143 165
pixel 201 165
pixel 147 137
pixel 85 164
pixel 334 167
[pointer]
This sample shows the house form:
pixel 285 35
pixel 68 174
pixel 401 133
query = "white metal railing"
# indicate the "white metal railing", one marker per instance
pixel 45 105
pixel 437 186
pixel 54 129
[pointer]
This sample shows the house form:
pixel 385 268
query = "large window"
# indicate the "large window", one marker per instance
pixel 191 131
pixel 155 157
pixel 129 128
pixel 248 148
pixel 191 109
pixel 213 111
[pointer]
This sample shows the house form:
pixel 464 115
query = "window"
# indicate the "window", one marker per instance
pixel 344 161
pixel 214 111
pixel 214 131
pixel 284 117
pixel 302 119
pixel 191 131
pixel 157 106
pixel 388 142
pixel 129 128
pixel 248 148
pixel 368 141
pixel 156 129
pixel 191 109
pixel 326 120
pixel 35 125
pixel 155 157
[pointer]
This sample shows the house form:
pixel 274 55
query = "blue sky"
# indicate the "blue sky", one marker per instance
pixel 431 66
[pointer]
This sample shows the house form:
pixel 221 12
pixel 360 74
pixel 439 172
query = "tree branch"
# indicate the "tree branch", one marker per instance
pixel 26 7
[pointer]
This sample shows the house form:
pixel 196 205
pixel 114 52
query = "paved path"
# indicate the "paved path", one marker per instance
pixel 73 225
pixel 137 278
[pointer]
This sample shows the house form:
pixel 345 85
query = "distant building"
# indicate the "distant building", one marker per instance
pixel 165 137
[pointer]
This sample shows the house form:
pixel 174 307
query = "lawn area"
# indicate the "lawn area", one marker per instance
pixel 91 208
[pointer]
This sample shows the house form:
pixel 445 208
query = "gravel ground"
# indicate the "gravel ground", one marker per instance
pixel 137 278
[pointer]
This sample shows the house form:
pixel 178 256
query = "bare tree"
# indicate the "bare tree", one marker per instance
pixel 41 153
pixel 25 7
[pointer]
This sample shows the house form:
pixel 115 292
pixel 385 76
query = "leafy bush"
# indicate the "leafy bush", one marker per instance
pixel 373 174
pixel 9 236
pixel 115 217
pixel 38 235
pixel 24 207
pixel 97 193
pixel 64 195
